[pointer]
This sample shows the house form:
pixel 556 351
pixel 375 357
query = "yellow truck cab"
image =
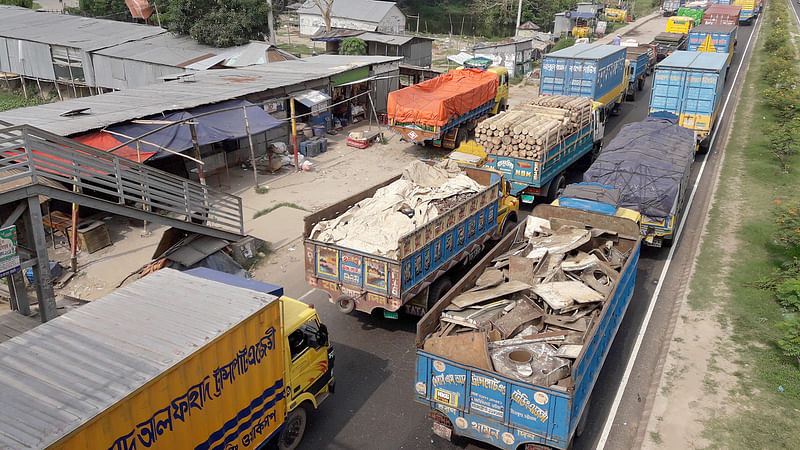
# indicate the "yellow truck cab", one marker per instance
pixel 680 24
pixel 501 98
pixel 176 360
pixel 471 153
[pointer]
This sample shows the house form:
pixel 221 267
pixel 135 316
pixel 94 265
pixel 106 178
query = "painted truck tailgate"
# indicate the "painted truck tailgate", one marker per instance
pixel 748 9
pixel 503 411
pixel 583 70
pixel 721 41
pixel 638 59
pixel 722 15
pixel 689 85
pixel 170 361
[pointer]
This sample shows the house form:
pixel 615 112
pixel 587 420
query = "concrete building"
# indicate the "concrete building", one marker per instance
pixel 516 55
pixel 365 15
pixel 565 21
pixel 527 29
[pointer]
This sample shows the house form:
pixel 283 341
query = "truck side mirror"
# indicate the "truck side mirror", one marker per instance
pixel 322 335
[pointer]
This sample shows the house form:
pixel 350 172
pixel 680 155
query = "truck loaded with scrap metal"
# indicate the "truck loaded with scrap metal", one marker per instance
pixel 535 144
pixel 643 175
pixel 511 354
pixel 402 243
pixel 172 361
pixel 444 110
pixel 596 71
pixel 688 87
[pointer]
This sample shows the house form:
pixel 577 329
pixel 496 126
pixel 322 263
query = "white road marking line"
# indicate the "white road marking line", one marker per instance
pixel 643 328
pixel 302 297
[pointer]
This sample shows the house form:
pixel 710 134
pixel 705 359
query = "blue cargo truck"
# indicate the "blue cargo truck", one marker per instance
pixel 596 71
pixel 638 62
pixel 688 86
pixel 473 393
pixel 713 39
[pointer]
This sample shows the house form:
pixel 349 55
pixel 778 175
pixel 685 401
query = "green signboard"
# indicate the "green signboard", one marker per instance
pixel 9 258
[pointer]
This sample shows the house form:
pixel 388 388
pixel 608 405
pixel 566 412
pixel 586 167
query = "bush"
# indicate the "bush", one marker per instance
pixel 788 221
pixel 788 294
pixel 790 344
pixel 353 46
pixel 22 3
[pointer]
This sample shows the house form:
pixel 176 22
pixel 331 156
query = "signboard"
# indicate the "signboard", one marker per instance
pixel 601 27
pixel 9 258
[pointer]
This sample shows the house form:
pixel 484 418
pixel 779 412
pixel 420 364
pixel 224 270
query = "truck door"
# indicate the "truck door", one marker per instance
pixel 599 123
pixel 309 367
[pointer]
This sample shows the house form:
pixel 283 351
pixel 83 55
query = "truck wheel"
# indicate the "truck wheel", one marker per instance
pixel 631 96
pixel 293 429
pixel 640 85
pixel 584 418
pixel 508 225
pixel 345 304
pixel 556 188
pixel 462 136
pixel 437 290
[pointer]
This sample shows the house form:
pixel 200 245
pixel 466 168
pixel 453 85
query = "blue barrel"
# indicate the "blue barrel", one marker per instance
pixel 319 130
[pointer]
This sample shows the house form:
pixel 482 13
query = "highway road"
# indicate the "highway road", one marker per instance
pixel 373 406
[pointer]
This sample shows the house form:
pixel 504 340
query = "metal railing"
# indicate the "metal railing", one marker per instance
pixel 30 153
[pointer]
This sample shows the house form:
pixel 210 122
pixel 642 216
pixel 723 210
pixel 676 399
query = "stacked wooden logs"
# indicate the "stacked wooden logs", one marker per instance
pixel 529 131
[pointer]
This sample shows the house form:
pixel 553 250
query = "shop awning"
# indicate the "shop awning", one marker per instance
pixel 210 128
pixel 312 98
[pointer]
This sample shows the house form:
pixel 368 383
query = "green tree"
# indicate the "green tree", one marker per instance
pixel 22 3
pixel 107 9
pixel 219 22
pixel 353 46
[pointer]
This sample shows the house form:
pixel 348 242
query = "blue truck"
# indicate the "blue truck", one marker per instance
pixel 713 39
pixel 639 62
pixel 596 71
pixel 422 268
pixel 542 173
pixel 688 86
pixel 469 396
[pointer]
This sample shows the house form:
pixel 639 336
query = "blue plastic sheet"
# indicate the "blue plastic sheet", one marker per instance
pixel 210 129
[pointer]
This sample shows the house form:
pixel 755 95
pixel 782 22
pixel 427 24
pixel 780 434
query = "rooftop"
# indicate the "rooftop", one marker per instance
pixel 363 10
pixel 587 51
pixel 695 60
pixel 69 31
pixel 205 88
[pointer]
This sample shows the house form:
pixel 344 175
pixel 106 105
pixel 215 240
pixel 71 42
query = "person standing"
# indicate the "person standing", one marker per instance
pixel 616 41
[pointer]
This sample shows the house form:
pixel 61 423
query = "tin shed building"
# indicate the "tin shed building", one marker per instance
pixel 365 15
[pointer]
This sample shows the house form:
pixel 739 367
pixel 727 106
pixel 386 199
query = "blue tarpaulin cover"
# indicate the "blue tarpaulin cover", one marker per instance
pixel 235 280
pixel 210 129
pixel 647 161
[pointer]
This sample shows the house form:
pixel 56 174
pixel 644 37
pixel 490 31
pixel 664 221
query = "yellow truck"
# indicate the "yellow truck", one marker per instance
pixel 619 14
pixel 680 24
pixel 172 361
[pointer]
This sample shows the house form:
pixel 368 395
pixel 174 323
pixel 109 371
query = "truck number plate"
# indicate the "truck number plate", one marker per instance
pixel 442 431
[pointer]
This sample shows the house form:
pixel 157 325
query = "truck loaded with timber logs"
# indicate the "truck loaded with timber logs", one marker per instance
pixel 534 144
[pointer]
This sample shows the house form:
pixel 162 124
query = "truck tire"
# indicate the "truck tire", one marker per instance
pixel 508 225
pixel 345 304
pixel 462 136
pixel 631 95
pixel 584 418
pixel 293 429
pixel 640 84
pixel 556 188
pixel 437 290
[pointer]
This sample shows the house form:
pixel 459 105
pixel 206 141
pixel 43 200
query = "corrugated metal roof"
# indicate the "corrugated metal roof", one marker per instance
pixel 390 39
pixel 167 49
pixel 69 31
pixel 696 60
pixel 207 88
pixel 68 370
pixel 364 10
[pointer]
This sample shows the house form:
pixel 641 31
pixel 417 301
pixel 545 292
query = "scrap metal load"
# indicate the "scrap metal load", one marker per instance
pixel 536 304
pixel 438 101
pixel 529 131
pixel 376 224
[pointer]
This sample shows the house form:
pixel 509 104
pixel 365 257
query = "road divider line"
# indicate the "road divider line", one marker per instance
pixel 643 328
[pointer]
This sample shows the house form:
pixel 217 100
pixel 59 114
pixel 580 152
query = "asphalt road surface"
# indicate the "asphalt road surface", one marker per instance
pixel 373 406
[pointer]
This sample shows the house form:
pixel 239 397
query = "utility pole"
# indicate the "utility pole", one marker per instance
pixel 519 16
pixel 271 24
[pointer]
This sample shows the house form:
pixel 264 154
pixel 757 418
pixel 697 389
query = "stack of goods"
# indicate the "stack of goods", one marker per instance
pixel 533 310
pixel 376 224
pixel 529 131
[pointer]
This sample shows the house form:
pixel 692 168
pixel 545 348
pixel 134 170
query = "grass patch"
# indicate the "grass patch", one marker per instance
pixel 655 436
pixel 645 7
pixel 262 189
pixel 563 43
pixel 302 49
pixel 266 211
pixel 12 100
pixel 263 253
pixel 765 416
pixel 516 80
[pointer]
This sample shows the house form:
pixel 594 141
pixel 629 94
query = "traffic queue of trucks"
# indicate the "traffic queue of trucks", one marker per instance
pixel 175 360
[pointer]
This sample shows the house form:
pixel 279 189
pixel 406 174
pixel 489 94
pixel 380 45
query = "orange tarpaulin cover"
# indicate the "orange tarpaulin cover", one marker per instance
pixel 436 101
pixel 104 141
